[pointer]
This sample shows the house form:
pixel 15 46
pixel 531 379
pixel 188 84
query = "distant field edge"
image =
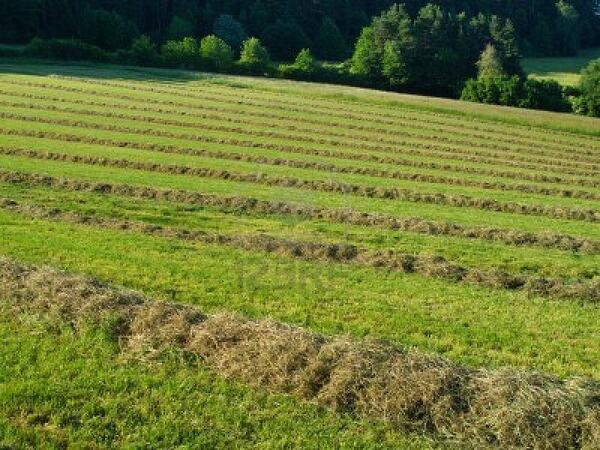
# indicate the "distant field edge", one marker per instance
pixel 562 122
pixel 406 388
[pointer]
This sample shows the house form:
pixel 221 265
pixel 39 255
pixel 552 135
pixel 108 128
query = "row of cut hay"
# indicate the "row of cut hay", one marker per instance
pixel 323 166
pixel 436 198
pixel 409 389
pixel 433 117
pixel 583 166
pixel 265 99
pixel 312 135
pixel 571 169
pixel 427 150
pixel 425 265
pixel 333 155
pixel 247 205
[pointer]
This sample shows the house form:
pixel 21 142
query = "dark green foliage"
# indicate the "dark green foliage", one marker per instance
pixel 330 44
pixel 254 57
pixel 544 94
pixel 567 29
pixel 590 89
pixel 105 29
pixel 21 20
pixel 495 90
pixel 184 53
pixel 285 38
pixel 230 31
pixel 513 91
pixel 142 52
pixel 65 49
pixel 180 28
pixel 433 52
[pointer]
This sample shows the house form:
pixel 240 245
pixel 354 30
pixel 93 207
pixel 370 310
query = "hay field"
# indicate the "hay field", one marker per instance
pixel 311 235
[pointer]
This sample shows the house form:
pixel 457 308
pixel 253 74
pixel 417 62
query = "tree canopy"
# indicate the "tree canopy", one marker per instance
pixel 327 27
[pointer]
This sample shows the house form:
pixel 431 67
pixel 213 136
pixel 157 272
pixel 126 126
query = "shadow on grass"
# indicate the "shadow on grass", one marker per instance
pixel 28 66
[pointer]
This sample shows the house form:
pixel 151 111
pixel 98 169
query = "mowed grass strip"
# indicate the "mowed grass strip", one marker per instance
pixel 212 123
pixel 429 265
pixel 214 109
pixel 265 139
pixel 369 162
pixel 407 388
pixel 529 121
pixel 91 130
pixel 65 389
pixel 433 141
pixel 231 221
pixel 302 212
pixel 476 326
pixel 154 180
pixel 351 110
pixel 211 169
pixel 305 159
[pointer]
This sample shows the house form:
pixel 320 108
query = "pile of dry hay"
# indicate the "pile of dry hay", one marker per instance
pixel 409 389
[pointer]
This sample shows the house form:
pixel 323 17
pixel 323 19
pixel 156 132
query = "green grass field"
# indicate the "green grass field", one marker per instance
pixel 565 70
pixel 302 204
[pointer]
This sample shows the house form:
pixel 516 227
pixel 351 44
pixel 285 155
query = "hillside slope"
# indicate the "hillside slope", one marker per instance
pixel 465 231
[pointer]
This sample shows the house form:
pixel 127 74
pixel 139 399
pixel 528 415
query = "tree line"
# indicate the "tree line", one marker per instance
pixel 430 50
pixel 328 27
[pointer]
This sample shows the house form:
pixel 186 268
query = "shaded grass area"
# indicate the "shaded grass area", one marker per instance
pixel 63 389
pixel 565 70
pixel 476 326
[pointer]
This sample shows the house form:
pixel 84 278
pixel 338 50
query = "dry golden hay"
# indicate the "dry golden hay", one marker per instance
pixel 407 388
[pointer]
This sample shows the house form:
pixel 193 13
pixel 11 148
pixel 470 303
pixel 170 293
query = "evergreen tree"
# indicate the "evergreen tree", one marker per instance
pixel 180 28
pixel 257 18
pixel 285 39
pixel 506 43
pixel 541 38
pixel 230 30
pixel 567 29
pixel 330 43
pixel 107 30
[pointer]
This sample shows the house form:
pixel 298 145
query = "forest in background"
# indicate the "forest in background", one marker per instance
pixel 329 28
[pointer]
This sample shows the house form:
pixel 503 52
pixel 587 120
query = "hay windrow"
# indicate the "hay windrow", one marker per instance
pixel 334 139
pixel 315 165
pixel 430 150
pixel 256 206
pixel 332 128
pixel 536 177
pixel 437 198
pixel 332 110
pixel 407 388
pixel 422 264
